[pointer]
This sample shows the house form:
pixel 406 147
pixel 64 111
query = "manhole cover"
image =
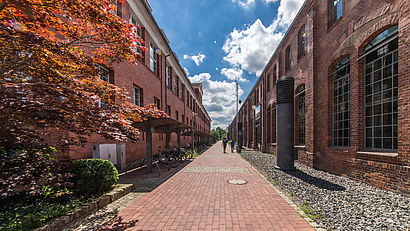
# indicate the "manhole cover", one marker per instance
pixel 237 181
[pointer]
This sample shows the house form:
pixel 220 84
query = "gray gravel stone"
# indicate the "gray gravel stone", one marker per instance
pixel 344 204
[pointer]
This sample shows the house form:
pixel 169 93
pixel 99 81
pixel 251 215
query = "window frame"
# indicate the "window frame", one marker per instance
pixel 153 58
pixel 140 95
pixel 157 103
pixel 301 132
pixel 379 50
pixel 288 59
pixel 338 126
pixel 101 73
pixel 332 9
pixel 302 40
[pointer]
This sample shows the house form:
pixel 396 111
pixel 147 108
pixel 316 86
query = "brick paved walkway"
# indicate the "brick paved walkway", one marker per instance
pixel 199 198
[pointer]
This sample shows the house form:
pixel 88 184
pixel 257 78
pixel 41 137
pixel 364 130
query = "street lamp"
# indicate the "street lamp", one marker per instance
pixel 193 131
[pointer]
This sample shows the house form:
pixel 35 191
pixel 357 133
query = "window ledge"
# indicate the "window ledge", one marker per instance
pixel 386 154
pixel 300 146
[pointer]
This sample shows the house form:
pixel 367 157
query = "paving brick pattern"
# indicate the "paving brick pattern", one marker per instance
pixel 204 200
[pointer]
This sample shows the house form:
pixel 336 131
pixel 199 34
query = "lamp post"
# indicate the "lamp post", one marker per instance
pixel 193 131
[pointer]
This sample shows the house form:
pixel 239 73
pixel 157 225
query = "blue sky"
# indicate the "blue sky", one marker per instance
pixel 218 41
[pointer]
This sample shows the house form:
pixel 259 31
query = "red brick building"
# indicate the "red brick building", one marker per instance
pixel 350 61
pixel 157 79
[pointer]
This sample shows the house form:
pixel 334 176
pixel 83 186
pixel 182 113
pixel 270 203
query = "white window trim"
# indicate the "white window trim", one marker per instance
pixel 139 96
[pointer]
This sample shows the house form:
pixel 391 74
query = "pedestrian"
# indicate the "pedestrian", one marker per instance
pixel 232 145
pixel 224 143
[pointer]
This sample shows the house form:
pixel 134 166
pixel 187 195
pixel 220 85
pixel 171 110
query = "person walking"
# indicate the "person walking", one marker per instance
pixel 232 145
pixel 224 143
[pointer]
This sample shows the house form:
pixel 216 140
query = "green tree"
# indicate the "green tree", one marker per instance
pixel 219 133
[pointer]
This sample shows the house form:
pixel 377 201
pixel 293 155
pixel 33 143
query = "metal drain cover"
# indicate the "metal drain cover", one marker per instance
pixel 237 181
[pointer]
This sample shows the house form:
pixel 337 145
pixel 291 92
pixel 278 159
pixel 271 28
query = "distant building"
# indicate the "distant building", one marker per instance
pixel 350 61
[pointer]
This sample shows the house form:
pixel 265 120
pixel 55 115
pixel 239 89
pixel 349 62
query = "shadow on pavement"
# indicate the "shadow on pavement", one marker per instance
pixel 117 224
pixel 318 182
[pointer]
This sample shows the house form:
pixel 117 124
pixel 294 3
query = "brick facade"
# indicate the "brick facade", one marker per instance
pixel 326 44
pixel 153 85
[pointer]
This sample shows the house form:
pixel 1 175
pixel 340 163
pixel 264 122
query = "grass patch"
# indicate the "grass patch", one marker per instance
pixel 310 212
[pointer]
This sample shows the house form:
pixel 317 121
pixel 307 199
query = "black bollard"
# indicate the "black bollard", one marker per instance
pixel 285 123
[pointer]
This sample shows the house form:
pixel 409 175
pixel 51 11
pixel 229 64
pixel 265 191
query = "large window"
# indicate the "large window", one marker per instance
pixel 301 42
pixel 168 110
pixel 274 77
pixel 157 102
pixel 181 94
pixel 167 74
pixel 187 97
pixel 137 96
pixel 381 91
pixel 288 61
pixel 153 58
pixel 175 84
pixel 300 97
pixel 269 129
pixel 341 102
pixel 268 77
pixel 337 10
pixel 104 75
pixel 274 124
pixel 137 30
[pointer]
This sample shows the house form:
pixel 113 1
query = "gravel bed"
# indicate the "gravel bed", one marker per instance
pixel 343 204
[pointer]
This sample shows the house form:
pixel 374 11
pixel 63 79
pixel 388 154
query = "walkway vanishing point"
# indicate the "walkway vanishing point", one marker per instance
pixel 199 197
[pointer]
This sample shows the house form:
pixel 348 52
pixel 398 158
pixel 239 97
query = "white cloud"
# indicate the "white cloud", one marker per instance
pixel 287 11
pixel 198 59
pixel 219 99
pixel 233 74
pixel 244 3
pixel 251 48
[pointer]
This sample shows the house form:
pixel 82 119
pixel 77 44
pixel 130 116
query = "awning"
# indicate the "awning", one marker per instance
pixel 159 125
pixel 162 125
pixel 197 133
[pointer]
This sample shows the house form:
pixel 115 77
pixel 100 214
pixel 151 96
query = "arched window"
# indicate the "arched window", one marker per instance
pixel 273 124
pixel 300 97
pixel 340 78
pixel 288 61
pixel 381 91
pixel 301 42
pixel 269 129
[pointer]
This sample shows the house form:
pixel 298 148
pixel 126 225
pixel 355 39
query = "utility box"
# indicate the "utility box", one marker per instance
pixel 121 157
pixel 284 123
pixel 115 153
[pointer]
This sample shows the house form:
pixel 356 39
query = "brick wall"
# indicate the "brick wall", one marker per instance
pixel 326 44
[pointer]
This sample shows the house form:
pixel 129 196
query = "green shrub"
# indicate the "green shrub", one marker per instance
pixel 94 176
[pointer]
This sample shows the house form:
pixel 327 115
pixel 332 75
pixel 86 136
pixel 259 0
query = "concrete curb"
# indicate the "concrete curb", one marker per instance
pixel 287 199
pixel 77 213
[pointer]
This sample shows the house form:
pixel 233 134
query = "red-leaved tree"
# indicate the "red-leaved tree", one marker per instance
pixel 50 57
pixel 51 54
